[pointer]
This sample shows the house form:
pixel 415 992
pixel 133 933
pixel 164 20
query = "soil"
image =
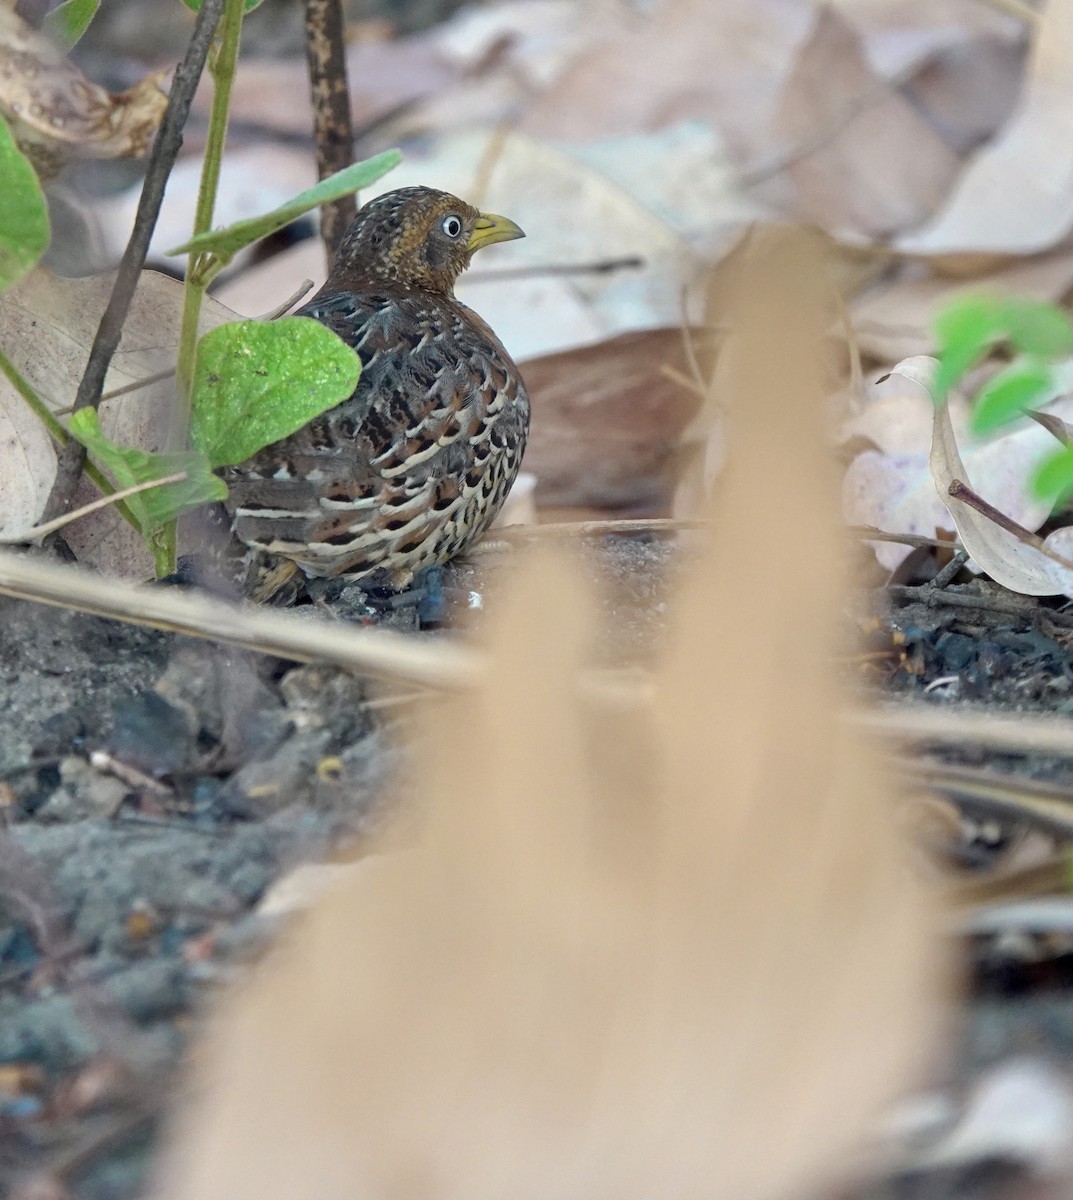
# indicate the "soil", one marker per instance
pixel 153 787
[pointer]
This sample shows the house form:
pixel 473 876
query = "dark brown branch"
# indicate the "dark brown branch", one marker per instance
pixel 166 146
pixel 966 495
pixel 332 130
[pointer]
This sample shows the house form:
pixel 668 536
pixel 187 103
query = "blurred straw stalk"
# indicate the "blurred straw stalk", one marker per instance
pixel 661 949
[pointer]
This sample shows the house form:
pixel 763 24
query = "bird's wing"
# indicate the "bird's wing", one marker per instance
pixel 438 404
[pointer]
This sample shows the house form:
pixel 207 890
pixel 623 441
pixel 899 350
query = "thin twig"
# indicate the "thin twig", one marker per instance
pixel 966 495
pixel 988 793
pixel 277 312
pixel 126 389
pixel 683 381
pixel 599 528
pixel 40 531
pixel 376 652
pixel 949 725
pixel 333 133
pixel 948 574
pixel 166 145
pixel 601 266
pixel 490 156
pixel 1027 608
pixel 871 534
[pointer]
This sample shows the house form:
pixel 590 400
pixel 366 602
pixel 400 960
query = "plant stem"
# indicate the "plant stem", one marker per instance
pixel 166 144
pixel 199 268
pixel 59 435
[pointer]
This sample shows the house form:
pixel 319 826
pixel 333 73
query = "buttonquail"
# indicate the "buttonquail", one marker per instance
pixel 414 466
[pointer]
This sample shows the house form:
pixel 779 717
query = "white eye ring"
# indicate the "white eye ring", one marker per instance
pixel 451 226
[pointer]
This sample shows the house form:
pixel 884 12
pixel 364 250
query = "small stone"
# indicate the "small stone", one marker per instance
pixel 85 794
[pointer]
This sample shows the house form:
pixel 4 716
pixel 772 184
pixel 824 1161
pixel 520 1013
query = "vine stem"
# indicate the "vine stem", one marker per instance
pixel 165 150
pixel 199 268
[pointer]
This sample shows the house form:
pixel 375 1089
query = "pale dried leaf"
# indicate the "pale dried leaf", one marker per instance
pixel 1016 197
pixel 581 983
pixel 892 488
pixel 57 113
pixel 682 60
pixel 47 326
pixel 869 162
pixel 1006 558
pixel 28 461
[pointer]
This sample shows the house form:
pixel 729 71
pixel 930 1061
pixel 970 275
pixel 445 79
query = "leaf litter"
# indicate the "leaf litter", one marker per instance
pixel 668 129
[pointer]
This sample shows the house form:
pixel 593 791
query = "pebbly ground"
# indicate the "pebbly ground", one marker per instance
pixel 153 787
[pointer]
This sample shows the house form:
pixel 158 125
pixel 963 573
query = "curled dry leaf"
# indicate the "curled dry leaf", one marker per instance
pixel 47 326
pixel 606 969
pixel 892 488
pixel 1016 197
pixel 57 114
pixel 1005 557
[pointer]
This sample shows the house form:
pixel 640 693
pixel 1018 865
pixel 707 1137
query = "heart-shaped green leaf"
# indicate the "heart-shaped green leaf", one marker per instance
pixel 24 228
pixel 66 23
pixel 259 381
pixel 1023 384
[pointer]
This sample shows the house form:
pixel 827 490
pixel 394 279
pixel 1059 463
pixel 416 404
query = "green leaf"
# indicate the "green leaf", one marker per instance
pixel 1053 479
pixel 67 22
pixel 250 5
pixel 259 381
pixel 227 242
pixel 1023 384
pixel 127 467
pixel 963 331
pixel 23 216
pixel 1037 328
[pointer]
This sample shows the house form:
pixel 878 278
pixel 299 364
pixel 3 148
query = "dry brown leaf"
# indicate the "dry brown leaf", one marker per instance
pixel 47 326
pixel 606 421
pixel 626 936
pixel 894 319
pixel 57 114
pixel 868 161
pixel 1016 196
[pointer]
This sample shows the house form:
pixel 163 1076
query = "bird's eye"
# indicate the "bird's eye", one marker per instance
pixel 451 226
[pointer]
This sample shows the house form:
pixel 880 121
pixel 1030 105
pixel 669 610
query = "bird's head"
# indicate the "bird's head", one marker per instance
pixel 416 237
